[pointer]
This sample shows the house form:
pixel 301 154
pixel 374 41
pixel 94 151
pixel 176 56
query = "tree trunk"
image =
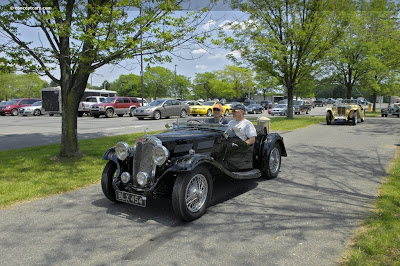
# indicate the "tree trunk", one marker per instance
pixel 289 114
pixel 374 96
pixel 69 128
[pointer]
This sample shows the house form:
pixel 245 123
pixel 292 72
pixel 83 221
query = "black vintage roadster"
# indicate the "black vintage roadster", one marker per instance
pixel 182 163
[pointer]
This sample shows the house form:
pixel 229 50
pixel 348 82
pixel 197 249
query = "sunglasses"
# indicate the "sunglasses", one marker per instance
pixel 216 109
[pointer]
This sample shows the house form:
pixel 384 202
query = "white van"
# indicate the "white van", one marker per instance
pixel 140 101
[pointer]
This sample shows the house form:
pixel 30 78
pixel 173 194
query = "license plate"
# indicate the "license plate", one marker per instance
pixel 130 198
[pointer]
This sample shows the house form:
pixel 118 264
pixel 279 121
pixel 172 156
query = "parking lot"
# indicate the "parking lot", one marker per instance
pixel 27 131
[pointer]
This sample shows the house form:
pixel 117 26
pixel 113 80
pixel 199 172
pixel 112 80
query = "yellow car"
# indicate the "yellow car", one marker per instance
pixel 345 111
pixel 207 109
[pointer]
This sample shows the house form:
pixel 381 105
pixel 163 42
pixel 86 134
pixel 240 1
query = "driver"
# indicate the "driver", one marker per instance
pixel 218 117
pixel 242 127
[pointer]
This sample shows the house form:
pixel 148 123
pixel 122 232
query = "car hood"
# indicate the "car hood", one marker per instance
pixel 147 107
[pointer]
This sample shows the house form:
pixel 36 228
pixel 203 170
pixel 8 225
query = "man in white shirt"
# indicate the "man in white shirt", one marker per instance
pixel 242 127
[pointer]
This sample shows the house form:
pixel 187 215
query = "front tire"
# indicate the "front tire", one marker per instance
pixel 106 180
pixel 157 115
pixel 363 117
pixel 355 119
pixel 109 113
pixel 14 112
pixel 192 193
pixel 328 118
pixel 273 163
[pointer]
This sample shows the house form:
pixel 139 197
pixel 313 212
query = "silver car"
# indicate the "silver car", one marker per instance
pixel 280 109
pixel 34 109
pixel 162 108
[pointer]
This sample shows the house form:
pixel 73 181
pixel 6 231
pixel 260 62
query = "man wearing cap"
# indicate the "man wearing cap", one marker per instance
pixel 242 127
pixel 218 117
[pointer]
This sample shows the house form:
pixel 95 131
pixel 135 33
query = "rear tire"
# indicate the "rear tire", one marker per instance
pixel 96 116
pixel 272 165
pixel 80 114
pixel 120 115
pixel 183 114
pixel 355 119
pixel 132 112
pixel 328 118
pixel 106 180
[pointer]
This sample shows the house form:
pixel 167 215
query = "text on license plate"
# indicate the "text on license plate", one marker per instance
pixel 134 199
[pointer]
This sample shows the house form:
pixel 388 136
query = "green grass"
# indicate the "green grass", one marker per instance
pixel 31 173
pixel 378 240
pixel 373 114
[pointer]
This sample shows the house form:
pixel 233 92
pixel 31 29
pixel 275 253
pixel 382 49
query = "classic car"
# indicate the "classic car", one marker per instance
pixel 162 108
pixel 345 111
pixel 181 164
pixel 391 110
pixel 207 109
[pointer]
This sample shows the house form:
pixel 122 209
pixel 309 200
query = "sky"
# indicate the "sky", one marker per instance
pixel 205 60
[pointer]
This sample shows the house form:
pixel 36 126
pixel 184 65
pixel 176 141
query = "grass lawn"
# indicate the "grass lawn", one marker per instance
pixel 373 114
pixel 377 242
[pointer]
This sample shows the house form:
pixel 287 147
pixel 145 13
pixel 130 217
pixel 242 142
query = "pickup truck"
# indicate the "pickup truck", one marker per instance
pixel 84 107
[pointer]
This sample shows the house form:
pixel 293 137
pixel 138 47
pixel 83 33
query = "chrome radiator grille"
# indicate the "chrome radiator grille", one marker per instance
pixel 341 111
pixel 143 161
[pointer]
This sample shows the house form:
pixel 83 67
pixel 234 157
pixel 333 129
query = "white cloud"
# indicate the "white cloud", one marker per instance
pixel 199 51
pixel 209 24
pixel 220 55
pixel 201 67
pixel 236 54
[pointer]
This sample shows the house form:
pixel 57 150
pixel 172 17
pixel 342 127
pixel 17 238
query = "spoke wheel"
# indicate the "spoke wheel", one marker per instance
pixel 107 177
pixel 192 193
pixel 272 164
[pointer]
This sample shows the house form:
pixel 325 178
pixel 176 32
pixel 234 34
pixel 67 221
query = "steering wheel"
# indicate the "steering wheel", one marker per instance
pixel 194 120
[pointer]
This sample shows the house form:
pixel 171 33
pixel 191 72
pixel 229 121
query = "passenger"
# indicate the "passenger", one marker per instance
pixel 218 117
pixel 242 127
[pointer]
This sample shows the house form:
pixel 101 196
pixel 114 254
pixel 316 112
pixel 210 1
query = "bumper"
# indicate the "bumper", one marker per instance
pixel 97 112
pixel 198 112
pixel 5 112
pixel 143 115
pixel 25 112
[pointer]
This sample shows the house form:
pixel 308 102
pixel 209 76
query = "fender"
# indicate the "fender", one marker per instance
pixel 189 162
pixel 270 141
pixel 110 155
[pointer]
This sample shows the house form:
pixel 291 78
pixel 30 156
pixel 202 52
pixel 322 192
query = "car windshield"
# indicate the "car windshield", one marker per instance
pixel 351 101
pixel 156 103
pixel 281 106
pixel 110 100
pixel 10 102
pixel 209 103
pixel 38 103
pixel 234 103
pixel 252 106
pixel 199 123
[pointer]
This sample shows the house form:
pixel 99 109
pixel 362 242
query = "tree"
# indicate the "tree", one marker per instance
pixel 182 86
pixel 127 85
pixel 240 79
pixel 285 38
pixel 82 36
pixel 159 82
pixel 367 56
pixel 203 85
pixel 18 86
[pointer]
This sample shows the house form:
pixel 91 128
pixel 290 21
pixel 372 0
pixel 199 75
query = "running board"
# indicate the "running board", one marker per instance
pixel 251 174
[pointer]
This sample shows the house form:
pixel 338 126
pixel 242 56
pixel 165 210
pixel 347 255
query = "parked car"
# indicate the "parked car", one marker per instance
pixel 347 110
pixel 320 102
pixel 302 106
pixel 115 105
pixel 248 102
pixel 192 103
pixel 391 110
pixel 162 108
pixel 144 101
pixel 182 163
pixel 267 104
pixel 330 101
pixel 35 109
pixel 13 105
pixel 85 106
pixel 255 109
pixel 280 109
pixel 207 109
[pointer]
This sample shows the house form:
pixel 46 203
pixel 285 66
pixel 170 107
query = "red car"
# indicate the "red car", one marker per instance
pixel 12 106
pixel 115 105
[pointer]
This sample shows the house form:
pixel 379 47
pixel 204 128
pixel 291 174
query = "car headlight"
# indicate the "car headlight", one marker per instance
pixel 142 178
pixel 8 107
pixel 160 155
pixel 122 149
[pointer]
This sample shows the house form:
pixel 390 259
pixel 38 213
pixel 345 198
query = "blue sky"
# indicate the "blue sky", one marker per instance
pixel 205 59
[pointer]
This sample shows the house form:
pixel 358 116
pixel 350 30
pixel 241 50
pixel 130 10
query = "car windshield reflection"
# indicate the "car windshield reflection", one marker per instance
pixel 156 103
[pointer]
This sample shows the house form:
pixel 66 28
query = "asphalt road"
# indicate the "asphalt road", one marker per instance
pixel 306 216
